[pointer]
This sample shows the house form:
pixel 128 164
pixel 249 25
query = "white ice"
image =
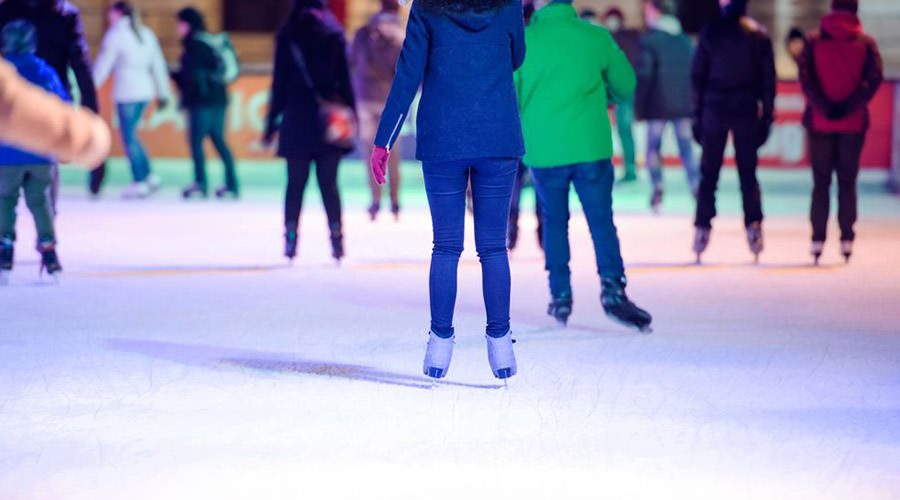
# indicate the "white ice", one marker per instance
pixel 180 358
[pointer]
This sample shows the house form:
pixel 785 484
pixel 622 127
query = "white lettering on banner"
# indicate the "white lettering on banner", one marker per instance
pixel 256 106
pixel 235 110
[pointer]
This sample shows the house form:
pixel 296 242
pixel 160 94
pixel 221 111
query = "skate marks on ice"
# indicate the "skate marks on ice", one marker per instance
pixel 214 357
pixel 710 267
pixel 127 272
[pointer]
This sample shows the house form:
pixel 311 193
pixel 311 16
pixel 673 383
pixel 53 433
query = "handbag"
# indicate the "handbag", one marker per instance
pixel 338 120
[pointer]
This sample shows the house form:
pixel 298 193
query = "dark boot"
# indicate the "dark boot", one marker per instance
pixel 561 308
pixel 620 309
pixel 7 249
pixel 337 241
pixel 49 260
pixel 291 236
pixel 194 189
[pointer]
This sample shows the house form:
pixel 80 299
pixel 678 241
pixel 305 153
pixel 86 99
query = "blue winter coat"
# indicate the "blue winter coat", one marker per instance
pixel 38 72
pixel 465 64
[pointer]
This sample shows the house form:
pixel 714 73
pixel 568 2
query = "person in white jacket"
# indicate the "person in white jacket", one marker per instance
pixel 131 53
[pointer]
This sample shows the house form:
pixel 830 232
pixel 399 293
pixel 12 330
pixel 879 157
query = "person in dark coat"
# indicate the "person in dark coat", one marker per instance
pixel 205 97
pixel 310 65
pixel 629 40
pixel 663 92
pixel 734 82
pixel 840 70
pixel 61 43
pixel 463 54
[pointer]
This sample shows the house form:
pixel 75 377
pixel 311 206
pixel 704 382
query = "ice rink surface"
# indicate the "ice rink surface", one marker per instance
pixel 180 358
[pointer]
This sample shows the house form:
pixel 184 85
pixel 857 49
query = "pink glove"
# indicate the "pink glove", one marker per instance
pixel 378 163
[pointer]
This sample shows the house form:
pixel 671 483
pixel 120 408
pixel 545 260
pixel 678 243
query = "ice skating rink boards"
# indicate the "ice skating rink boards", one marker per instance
pixel 180 358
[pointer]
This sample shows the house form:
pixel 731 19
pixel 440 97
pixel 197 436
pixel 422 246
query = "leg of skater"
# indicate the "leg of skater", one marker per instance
pixel 446 184
pixel 368 116
pixel 198 123
pixel 746 150
pixel 492 186
pixel 625 128
pixel 849 150
pixel 552 187
pixel 36 186
pixel 684 137
pixel 655 129
pixel 326 175
pixel 394 180
pixel 822 155
pixel 297 177
pixel 594 183
pixel 715 138
pixel 129 117
pixel 217 135
pixel 11 179
pixel 512 229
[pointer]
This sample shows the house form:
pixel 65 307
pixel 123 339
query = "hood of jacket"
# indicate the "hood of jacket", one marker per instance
pixel 841 25
pixel 473 21
pixel 668 24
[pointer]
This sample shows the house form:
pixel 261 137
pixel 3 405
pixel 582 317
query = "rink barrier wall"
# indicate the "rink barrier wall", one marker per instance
pixel 163 131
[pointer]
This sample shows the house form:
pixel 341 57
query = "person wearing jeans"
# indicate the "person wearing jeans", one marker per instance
pixel 203 122
pixel 130 53
pixel 629 40
pixel 463 57
pixel 563 98
pixel 663 92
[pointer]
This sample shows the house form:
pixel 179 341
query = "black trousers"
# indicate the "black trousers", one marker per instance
pixel 326 174
pixel 746 144
pixel 210 122
pixel 830 154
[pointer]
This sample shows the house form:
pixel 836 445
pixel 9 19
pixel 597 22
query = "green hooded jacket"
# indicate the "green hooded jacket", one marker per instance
pixel 572 69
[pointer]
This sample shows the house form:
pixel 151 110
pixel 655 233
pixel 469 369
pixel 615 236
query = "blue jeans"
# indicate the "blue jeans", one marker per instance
pixel 593 183
pixel 446 184
pixel 129 116
pixel 684 136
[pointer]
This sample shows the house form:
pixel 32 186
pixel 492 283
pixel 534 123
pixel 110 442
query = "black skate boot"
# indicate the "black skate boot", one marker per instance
pixel 755 240
pixel 49 261
pixel 291 236
pixel 6 253
pixel 373 210
pixel 228 192
pixel 620 309
pixel 816 251
pixel 701 241
pixel 847 249
pixel 194 189
pixel 656 200
pixel 395 210
pixel 561 309
pixel 337 242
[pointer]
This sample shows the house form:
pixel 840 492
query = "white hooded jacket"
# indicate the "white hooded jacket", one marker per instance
pixel 137 66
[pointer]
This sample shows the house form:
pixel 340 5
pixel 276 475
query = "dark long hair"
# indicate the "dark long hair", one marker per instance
pixel 128 10
pixel 459 6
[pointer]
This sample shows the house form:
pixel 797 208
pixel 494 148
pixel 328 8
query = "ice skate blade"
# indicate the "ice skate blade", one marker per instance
pixel 645 329
pixel 503 374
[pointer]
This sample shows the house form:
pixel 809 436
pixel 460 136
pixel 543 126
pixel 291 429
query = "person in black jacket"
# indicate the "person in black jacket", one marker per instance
pixel 734 91
pixel 664 91
pixel 62 44
pixel 205 97
pixel 310 66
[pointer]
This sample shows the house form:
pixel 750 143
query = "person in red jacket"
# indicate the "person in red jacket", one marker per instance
pixel 840 70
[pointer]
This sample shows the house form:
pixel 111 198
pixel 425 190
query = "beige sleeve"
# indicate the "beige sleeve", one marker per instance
pixel 40 122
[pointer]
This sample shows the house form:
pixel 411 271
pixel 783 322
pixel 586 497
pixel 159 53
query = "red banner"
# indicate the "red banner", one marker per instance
pixel 164 132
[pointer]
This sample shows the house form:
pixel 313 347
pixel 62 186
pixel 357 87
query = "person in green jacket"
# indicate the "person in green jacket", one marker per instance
pixel 571 71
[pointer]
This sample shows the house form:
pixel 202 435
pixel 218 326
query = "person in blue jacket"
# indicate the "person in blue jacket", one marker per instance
pixel 23 171
pixel 463 54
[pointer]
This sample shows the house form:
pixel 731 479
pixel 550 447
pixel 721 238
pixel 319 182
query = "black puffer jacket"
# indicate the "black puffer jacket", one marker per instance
pixel 61 41
pixel 734 71
pixel 664 79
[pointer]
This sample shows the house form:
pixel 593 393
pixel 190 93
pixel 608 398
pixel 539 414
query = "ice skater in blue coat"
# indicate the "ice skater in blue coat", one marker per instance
pixel 463 54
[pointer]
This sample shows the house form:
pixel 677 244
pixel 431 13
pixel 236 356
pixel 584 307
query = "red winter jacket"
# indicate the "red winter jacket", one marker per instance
pixel 840 70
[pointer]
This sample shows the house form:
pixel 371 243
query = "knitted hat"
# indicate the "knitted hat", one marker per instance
pixel 19 37
pixel 193 18
pixel 851 6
